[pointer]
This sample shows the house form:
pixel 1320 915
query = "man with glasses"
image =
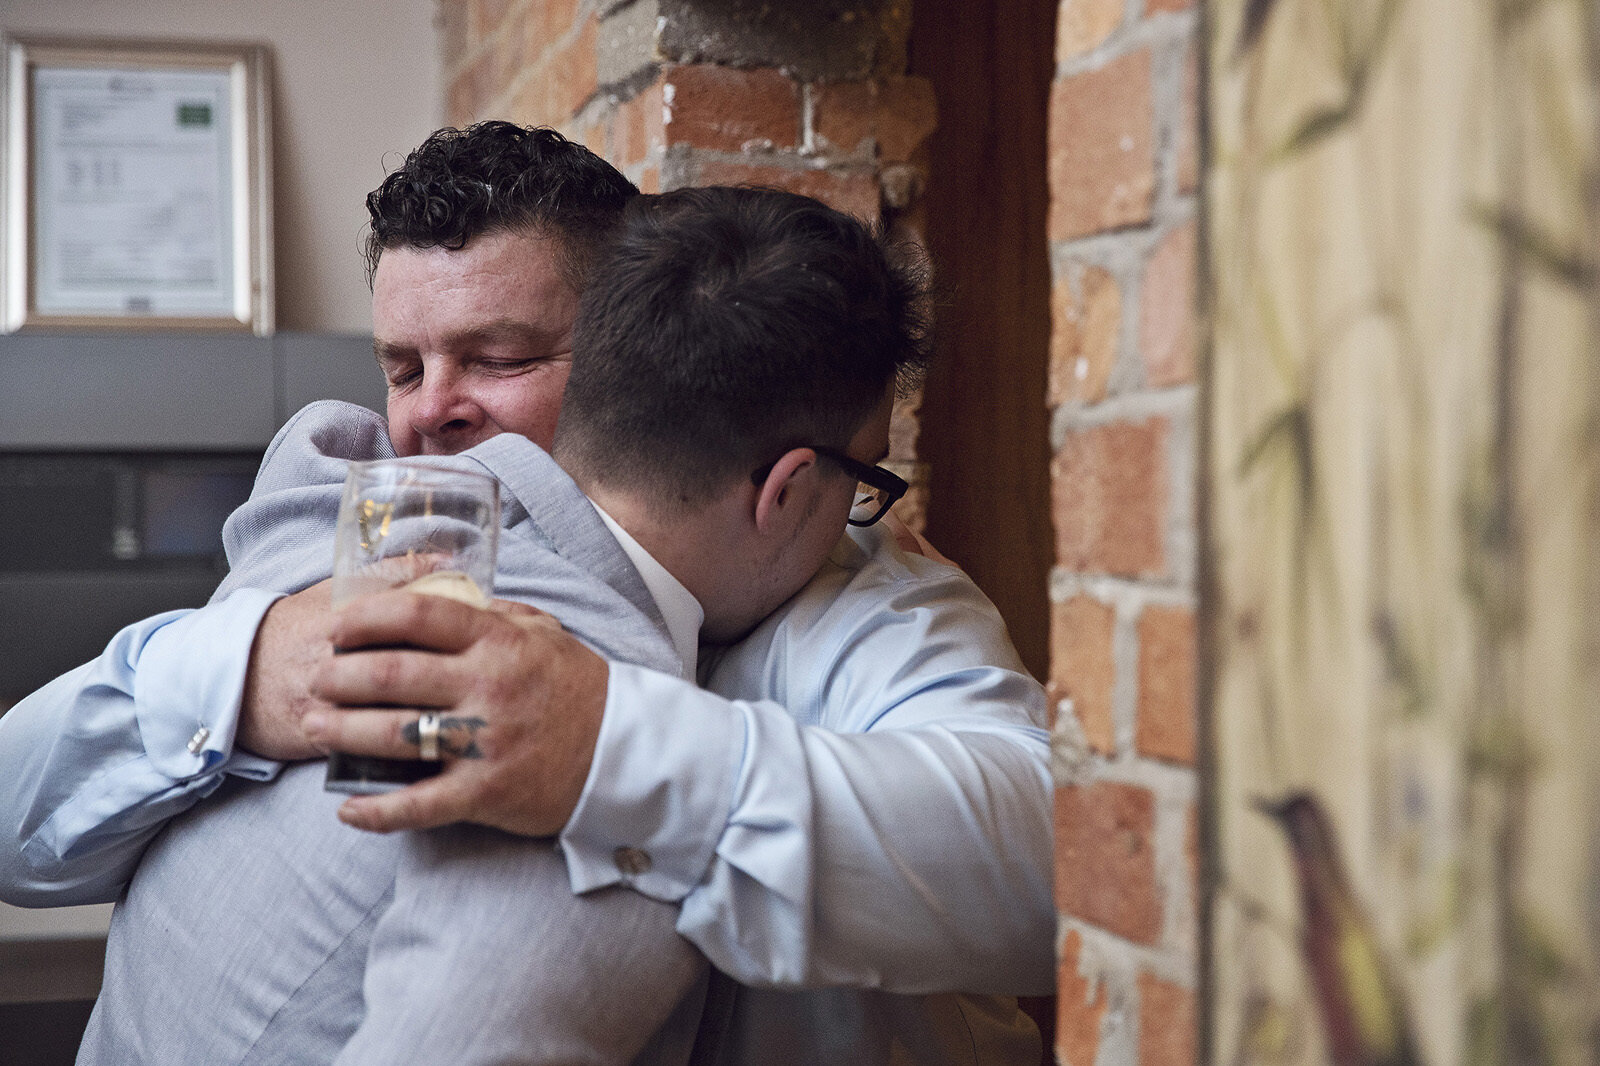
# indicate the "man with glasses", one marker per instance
pixel 733 840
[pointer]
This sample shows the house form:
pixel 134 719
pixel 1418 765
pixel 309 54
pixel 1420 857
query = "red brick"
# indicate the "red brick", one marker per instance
pixel 844 115
pixel 1109 492
pixel 638 127
pixel 542 27
pixel 473 87
pixel 1105 858
pixel 480 84
pixel 533 37
pixel 853 192
pixel 1166 724
pixel 1083 25
pixel 731 110
pixel 501 62
pixel 461 100
pixel 1086 321
pixel 487 15
pixel 1167 310
pixel 1102 157
pixel 1189 124
pixel 548 20
pixel 1083 666
pixel 531 104
pixel 1080 1006
pixel 571 73
pixel 896 114
pixel 907 111
pixel 1167 1023
pixel 1155 7
pixel 554 89
pixel 595 137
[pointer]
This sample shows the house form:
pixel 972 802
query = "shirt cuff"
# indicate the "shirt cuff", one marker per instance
pixel 190 684
pixel 660 788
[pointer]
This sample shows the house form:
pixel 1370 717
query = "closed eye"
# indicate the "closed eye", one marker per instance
pixel 510 366
pixel 400 376
pixel 516 364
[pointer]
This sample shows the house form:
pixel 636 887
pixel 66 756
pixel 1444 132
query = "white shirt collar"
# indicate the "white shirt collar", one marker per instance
pixel 681 611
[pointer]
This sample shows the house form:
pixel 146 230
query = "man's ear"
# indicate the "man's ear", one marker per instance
pixel 778 498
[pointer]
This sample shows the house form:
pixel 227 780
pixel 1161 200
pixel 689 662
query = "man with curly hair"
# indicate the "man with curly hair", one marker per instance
pixel 885 833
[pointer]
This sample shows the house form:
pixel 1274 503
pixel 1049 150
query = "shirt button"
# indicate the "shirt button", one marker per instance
pixel 631 861
pixel 198 741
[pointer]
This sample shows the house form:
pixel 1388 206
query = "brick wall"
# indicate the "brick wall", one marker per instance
pixel 1122 227
pixel 813 99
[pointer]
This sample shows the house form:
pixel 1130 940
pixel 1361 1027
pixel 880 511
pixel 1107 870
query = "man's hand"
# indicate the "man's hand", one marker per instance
pixel 519 702
pixel 291 644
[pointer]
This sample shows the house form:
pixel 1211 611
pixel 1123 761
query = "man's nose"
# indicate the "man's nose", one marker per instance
pixel 445 409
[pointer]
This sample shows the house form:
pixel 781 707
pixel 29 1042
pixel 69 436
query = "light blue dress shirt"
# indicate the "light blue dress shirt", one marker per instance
pixel 858 796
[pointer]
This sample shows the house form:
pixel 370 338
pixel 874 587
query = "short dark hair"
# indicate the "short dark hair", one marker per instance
pixel 726 326
pixel 492 176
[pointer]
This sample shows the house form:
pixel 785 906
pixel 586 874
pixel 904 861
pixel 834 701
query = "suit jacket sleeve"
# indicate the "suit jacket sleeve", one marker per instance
pixel 102 756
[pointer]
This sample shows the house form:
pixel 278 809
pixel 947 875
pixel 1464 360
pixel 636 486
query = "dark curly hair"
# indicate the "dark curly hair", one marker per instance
pixel 491 176
pixel 725 326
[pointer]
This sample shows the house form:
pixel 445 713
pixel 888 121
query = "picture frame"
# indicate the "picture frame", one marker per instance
pixel 135 185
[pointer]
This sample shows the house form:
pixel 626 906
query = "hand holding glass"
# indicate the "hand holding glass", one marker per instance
pixel 412 524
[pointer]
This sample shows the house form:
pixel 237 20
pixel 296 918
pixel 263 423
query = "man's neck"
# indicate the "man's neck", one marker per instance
pixel 679 608
pixel 701 549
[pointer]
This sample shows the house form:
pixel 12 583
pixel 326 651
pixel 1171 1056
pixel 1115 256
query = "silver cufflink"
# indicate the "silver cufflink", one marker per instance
pixel 198 741
pixel 631 862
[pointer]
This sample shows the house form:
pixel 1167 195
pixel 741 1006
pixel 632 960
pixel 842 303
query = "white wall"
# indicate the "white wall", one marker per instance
pixel 356 84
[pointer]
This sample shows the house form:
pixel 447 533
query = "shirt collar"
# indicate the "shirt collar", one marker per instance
pixel 681 611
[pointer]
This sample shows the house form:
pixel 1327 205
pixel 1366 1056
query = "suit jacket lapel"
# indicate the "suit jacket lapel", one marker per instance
pixel 561 515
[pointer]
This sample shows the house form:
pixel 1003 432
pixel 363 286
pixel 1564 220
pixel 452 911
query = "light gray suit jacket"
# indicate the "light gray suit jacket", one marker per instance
pixel 259 929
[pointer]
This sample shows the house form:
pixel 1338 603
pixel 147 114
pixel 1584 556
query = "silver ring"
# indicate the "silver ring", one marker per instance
pixel 428 737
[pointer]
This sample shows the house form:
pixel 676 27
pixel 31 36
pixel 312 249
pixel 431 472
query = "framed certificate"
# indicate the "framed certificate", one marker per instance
pixel 136 190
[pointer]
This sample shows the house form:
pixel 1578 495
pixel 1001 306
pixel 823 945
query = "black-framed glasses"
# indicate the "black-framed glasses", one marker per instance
pixel 877 489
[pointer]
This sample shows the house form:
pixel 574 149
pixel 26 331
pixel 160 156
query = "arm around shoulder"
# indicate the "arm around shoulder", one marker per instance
pixel 105 754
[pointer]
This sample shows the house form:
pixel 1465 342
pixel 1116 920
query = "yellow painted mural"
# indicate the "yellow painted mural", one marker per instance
pixel 1403 532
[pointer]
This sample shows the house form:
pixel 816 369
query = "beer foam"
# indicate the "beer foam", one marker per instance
pixel 451 584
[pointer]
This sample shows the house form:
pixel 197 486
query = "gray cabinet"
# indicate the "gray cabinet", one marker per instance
pixel 172 391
